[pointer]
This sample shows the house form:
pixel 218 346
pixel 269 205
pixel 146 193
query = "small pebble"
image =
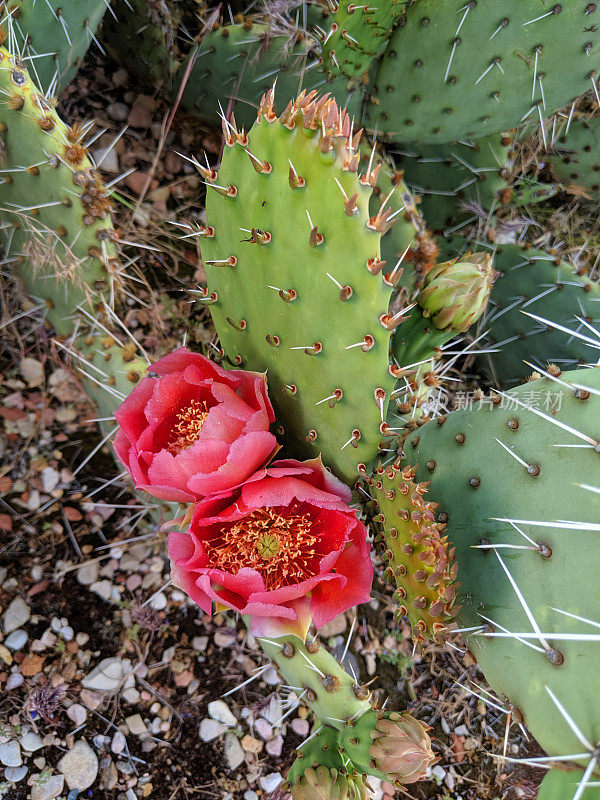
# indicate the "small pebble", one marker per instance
pixel 300 726
pixel 270 782
pixel 15 679
pixel 16 615
pixel 118 743
pixel 77 713
pixel 136 725
pixel 275 746
pixel 220 711
pixel 210 729
pixel 10 754
pixel 15 774
pixel 16 640
pixel 234 753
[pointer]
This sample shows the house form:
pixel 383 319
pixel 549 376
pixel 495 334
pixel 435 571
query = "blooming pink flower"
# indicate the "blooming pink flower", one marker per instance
pixel 195 429
pixel 284 546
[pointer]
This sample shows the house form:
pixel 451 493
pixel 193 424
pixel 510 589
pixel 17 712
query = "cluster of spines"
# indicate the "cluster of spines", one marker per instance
pixel 419 556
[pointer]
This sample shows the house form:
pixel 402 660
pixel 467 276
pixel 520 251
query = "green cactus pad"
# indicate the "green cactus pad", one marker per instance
pixel 575 159
pixel 562 296
pixel 62 30
pixel 447 176
pixel 299 290
pixel 239 63
pixel 58 231
pixel 357 35
pixel 459 69
pixel 523 470
pixel 141 36
pixel 418 555
pixel 559 785
pixel 322 749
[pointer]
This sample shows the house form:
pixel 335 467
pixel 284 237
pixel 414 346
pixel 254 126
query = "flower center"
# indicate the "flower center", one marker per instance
pixel 280 546
pixel 188 424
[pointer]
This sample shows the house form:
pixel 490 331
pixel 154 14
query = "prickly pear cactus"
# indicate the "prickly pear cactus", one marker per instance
pixel 299 291
pixel 561 785
pixel 419 556
pixel 141 35
pixel 457 69
pixel 517 480
pixel 449 177
pixel 575 158
pixel 57 33
pixel 56 212
pixel 562 306
pixel 238 63
pixel 358 34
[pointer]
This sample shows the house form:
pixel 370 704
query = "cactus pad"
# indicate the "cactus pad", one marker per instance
pixel 446 177
pixel 58 230
pixel 419 557
pixel 59 32
pixel 459 69
pixel 240 62
pixel 537 283
pixel 576 156
pixel 517 480
pixel 299 292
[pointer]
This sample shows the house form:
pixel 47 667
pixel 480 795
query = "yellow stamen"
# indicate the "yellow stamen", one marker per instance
pixel 188 426
pixel 277 543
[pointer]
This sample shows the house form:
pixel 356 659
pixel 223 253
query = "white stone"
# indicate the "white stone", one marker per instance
pixel 200 643
pixel 15 679
pixel 272 712
pixel 15 774
pixel 438 773
pixel 136 725
pixel 250 795
pixel 10 754
pixel 264 730
pixel 50 478
pixel 103 589
pixel 16 640
pixel 77 713
pixel 131 696
pixel 106 677
pixel 16 615
pixel 220 711
pixel 270 676
pixel 82 638
pixel 118 743
pixel 67 633
pixel 88 573
pixel 31 742
pixel 159 601
pixel 107 157
pixel 79 766
pixel 210 729
pixel 47 788
pixel 270 782
pixel 234 753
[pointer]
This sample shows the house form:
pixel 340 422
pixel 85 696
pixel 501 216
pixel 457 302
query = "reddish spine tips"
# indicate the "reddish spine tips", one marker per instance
pixel 208 232
pixel 290 388
pixel 356 434
pixel 375 265
pixel 208 173
pixel 361 469
pixel 385 429
pixel 315 238
pixel 260 237
pixel 317 347
pixel 206 298
pixel 239 326
pixel 350 205
pixel 380 394
pixel 238 360
pixel 390 322
pixel 288 295
pixel 381 222
pixel 367 344
pixel 273 340
pixel 224 262
pixel 311 436
pixel 296 181
pixel 266 107
pixel 242 138
pixel 346 293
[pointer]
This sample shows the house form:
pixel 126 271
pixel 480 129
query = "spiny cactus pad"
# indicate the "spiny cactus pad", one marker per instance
pixel 575 158
pixel 239 63
pixel 540 284
pixel 563 785
pixel 293 259
pixel 459 68
pixel 141 36
pixel 417 551
pixel 517 479
pixel 357 35
pixel 59 32
pixel 447 176
pixel 58 230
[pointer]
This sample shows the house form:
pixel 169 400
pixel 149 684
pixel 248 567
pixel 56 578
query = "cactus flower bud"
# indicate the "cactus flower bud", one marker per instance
pixel 456 292
pixel 401 748
pixel 320 782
